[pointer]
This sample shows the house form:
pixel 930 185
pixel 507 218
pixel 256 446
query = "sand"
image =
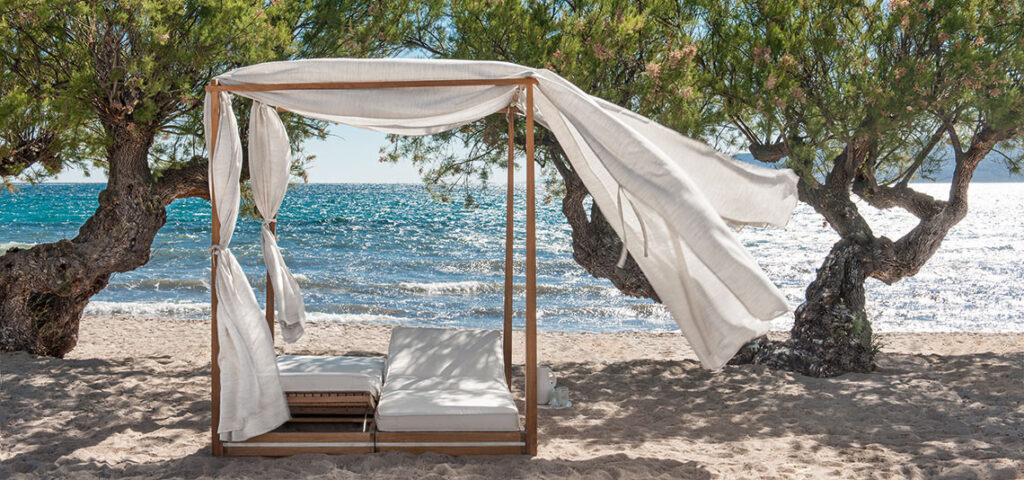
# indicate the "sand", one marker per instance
pixel 132 400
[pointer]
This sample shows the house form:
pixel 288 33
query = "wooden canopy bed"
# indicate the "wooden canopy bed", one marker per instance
pixel 332 407
pixel 677 202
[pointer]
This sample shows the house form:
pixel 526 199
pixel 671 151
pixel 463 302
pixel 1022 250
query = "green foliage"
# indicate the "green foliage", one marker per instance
pixel 813 76
pixel 803 76
pixel 637 54
pixel 78 70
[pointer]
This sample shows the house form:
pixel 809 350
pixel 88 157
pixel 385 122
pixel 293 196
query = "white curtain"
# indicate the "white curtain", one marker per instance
pixel 269 164
pixel 251 398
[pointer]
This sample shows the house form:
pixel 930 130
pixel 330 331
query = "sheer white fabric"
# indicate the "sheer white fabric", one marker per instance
pixel 678 197
pixel 251 398
pixel 270 161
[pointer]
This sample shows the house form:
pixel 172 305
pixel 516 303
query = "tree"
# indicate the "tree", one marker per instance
pixel 117 86
pixel 859 98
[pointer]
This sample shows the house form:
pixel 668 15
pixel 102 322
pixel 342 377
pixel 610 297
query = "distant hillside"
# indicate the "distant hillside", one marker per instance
pixel 991 170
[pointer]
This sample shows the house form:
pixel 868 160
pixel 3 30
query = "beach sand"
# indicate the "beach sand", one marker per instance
pixel 133 400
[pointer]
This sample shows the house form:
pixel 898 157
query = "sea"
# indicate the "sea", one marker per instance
pixel 388 253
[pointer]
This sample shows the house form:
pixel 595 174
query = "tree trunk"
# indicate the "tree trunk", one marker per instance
pixel 44 289
pixel 595 245
pixel 831 333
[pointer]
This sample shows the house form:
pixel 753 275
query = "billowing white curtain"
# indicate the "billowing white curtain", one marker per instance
pixel 270 160
pixel 252 400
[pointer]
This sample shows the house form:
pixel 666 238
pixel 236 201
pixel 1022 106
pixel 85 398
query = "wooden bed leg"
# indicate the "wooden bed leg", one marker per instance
pixel 509 233
pixel 217 446
pixel 270 293
pixel 531 285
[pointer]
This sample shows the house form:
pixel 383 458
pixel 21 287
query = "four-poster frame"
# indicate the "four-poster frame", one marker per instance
pixel 527 84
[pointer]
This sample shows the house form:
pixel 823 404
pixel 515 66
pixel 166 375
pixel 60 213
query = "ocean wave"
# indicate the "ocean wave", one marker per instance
pixel 450 287
pixel 355 318
pixel 464 287
pixel 149 309
pixel 5 246
pixel 166 284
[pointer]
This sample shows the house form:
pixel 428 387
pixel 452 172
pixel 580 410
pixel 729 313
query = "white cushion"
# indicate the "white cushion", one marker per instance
pixel 448 404
pixel 443 352
pixel 309 373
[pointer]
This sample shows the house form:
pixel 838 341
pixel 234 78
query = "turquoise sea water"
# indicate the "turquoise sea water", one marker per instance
pixel 387 253
pixel 363 252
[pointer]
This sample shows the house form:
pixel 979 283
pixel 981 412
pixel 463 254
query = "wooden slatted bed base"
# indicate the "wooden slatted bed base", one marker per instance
pixel 276 444
pixel 332 404
pixel 326 408
pixel 453 443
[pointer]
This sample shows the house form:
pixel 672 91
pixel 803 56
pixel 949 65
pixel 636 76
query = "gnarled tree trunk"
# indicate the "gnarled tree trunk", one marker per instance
pixel 44 289
pixel 595 246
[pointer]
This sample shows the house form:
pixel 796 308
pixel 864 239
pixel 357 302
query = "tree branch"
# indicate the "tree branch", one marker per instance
pixel 184 180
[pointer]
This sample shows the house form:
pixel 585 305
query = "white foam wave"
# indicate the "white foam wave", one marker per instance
pixel 449 287
pixel 167 283
pixel 354 318
pixel 434 288
pixel 5 246
pixel 148 309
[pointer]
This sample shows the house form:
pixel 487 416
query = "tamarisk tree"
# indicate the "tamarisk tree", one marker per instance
pixel 860 98
pixel 117 86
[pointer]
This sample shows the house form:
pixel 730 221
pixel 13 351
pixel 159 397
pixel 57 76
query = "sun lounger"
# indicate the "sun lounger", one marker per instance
pixel 442 380
pixel 319 386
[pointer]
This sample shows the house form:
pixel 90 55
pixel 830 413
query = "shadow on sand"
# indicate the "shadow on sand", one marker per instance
pixel 149 417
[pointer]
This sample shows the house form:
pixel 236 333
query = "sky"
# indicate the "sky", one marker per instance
pixel 348 155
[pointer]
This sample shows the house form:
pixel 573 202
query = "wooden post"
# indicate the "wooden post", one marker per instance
pixel 270 292
pixel 218 447
pixel 531 285
pixel 509 225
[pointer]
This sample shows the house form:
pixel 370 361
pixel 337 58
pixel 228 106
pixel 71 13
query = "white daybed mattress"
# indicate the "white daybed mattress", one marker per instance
pixel 309 373
pixel 445 380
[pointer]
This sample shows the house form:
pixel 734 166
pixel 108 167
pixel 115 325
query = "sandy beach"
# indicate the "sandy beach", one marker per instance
pixel 132 400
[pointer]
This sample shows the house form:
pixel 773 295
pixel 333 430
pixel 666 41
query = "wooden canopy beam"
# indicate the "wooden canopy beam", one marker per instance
pixel 473 82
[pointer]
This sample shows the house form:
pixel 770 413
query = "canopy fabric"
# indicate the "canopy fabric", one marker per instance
pixel 674 199
pixel 270 162
pixel 252 400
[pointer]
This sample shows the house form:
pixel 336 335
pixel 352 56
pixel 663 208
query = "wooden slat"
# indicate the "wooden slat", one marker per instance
pixel 218 449
pixel 531 285
pixel 330 400
pixel 372 85
pixel 440 437
pixel 386 442
pixel 331 410
pixel 327 418
pixel 455 451
pixel 289 451
pixel 311 437
pixel 270 292
pixel 506 344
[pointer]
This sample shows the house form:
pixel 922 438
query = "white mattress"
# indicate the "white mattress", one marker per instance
pixel 446 380
pixel 445 352
pixel 446 404
pixel 309 373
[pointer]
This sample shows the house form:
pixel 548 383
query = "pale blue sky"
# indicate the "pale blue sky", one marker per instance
pixel 348 155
